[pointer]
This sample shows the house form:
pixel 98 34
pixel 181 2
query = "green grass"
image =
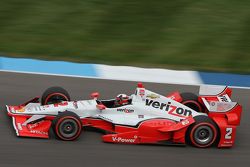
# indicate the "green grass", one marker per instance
pixel 207 35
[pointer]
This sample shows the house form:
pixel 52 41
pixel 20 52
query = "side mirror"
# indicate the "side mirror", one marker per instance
pixel 95 95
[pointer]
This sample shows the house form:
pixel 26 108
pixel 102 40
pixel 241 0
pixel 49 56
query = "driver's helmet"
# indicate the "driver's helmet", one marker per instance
pixel 121 99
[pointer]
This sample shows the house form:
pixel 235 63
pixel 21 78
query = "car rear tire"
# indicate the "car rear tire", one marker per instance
pixel 203 133
pixel 54 95
pixel 67 126
pixel 191 100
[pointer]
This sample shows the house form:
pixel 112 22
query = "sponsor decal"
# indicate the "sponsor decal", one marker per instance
pixel 32 126
pixel 220 106
pixel 124 140
pixel 228 142
pixel 140 116
pixel 153 96
pixel 185 122
pixel 213 103
pixel 21 110
pixel 171 109
pixel 223 98
pixel 39 132
pixel 125 110
pixel 223 106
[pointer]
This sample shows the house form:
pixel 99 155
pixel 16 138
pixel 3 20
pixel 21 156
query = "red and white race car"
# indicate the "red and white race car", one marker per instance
pixel 147 118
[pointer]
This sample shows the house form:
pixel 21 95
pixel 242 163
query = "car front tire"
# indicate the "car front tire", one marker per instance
pixel 67 126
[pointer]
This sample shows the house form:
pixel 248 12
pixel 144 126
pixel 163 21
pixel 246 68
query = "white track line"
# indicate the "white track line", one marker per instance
pixel 88 77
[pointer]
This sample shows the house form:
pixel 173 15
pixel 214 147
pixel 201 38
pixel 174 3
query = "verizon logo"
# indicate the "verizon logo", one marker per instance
pixel 171 109
pixel 125 110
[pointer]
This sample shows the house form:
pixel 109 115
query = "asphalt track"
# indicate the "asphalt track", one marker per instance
pixel 89 150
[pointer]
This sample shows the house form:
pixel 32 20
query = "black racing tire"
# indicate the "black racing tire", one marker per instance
pixel 203 133
pixel 191 100
pixel 54 95
pixel 67 126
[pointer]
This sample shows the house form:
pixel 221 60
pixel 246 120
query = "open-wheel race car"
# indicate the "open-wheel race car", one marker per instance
pixel 144 117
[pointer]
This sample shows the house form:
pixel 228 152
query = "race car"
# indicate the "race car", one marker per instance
pixel 146 117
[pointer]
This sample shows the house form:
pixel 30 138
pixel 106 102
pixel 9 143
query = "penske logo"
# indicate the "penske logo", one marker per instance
pixel 171 109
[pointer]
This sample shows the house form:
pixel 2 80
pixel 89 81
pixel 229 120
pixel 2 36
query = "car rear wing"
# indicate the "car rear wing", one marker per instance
pixel 216 98
pixel 222 110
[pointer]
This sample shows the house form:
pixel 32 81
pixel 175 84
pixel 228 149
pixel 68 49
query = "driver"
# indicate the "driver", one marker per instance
pixel 121 100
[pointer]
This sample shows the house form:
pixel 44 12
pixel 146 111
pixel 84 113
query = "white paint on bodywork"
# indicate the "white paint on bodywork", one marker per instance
pixel 32 105
pixel 14 125
pixel 221 106
pixel 126 115
pixel 33 118
pixel 208 90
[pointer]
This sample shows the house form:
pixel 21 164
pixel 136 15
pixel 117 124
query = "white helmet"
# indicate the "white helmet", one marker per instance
pixel 122 99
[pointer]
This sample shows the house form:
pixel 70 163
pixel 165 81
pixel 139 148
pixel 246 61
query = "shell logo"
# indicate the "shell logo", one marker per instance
pixel 21 110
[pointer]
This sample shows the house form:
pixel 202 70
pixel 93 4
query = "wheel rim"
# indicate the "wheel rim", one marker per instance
pixel 68 128
pixel 203 135
pixel 56 98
